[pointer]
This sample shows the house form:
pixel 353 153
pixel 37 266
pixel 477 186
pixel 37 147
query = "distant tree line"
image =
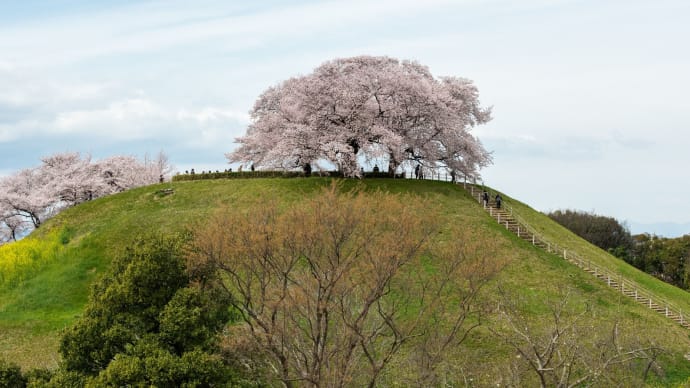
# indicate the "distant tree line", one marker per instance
pixel 665 258
pixel 605 232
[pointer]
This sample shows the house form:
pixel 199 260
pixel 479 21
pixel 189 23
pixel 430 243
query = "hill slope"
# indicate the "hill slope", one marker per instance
pixel 45 292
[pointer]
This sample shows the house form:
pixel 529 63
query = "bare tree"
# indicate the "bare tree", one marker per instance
pixel 566 350
pixel 332 287
pixel 158 168
pixel 464 265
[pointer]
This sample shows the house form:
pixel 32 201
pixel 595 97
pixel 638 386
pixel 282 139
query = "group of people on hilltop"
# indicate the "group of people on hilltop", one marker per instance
pixel 497 199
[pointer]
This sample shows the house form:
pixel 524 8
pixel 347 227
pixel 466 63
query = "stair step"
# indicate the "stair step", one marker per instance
pixel 505 218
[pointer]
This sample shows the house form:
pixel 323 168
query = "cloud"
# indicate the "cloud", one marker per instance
pixel 210 115
pixel 141 118
pixel 192 136
pixel 155 26
pixel 6 66
pixel 122 119
pixel 7 134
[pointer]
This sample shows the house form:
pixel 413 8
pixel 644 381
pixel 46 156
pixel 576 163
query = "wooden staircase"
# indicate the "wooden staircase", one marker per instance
pixel 505 217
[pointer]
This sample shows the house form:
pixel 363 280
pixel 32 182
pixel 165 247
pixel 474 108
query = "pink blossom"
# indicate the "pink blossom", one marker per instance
pixel 370 107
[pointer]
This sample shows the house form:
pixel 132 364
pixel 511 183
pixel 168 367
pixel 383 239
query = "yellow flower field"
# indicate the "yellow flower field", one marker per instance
pixel 20 259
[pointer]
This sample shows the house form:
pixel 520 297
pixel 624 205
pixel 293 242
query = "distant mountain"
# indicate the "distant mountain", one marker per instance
pixel 664 229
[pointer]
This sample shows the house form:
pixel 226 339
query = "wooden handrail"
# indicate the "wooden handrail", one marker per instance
pixel 614 280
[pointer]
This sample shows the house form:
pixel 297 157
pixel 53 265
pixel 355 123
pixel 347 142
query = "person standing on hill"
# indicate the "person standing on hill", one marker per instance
pixel 485 198
pixel 498 201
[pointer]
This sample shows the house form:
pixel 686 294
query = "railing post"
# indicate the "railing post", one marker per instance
pixel 585 264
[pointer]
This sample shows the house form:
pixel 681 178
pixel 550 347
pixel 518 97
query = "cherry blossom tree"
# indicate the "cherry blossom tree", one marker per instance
pixel 367 107
pixel 11 226
pixel 30 196
pixel 27 195
pixel 120 173
pixel 71 178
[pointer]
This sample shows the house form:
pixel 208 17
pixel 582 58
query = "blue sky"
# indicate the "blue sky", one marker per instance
pixel 590 97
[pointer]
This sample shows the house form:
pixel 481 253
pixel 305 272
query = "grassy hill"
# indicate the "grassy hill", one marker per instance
pixel 46 277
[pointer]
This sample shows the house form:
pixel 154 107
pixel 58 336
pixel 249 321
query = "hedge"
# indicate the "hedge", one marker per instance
pixel 270 174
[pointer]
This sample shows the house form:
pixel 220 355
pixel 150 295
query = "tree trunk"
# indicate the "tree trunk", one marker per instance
pixel 392 165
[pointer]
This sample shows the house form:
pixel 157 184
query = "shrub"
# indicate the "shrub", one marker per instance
pixel 237 175
pixel 145 325
pixel 11 375
pixel 38 377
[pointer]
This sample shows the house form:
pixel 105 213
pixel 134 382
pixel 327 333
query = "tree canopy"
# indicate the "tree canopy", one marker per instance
pixel 147 325
pixel 367 107
pixel 30 196
pixel 605 232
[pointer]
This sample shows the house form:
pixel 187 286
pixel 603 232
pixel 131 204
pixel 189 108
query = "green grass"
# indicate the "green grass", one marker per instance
pixel 38 304
pixel 556 232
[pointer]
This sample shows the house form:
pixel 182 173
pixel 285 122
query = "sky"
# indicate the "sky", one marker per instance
pixel 589 97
